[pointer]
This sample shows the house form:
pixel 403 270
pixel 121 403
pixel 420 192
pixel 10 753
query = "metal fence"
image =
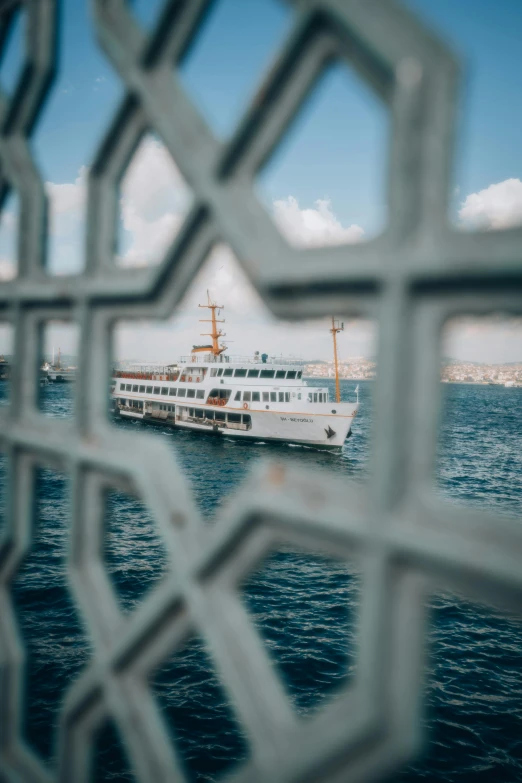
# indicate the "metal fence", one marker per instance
pixel 411 279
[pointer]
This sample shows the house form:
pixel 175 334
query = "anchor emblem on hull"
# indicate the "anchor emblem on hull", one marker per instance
pixel 329 432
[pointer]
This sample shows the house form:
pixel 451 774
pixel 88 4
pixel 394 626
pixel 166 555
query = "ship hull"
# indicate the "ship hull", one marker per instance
pixel 320 430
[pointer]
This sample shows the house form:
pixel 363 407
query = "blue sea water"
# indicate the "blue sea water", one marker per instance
pixel 304 606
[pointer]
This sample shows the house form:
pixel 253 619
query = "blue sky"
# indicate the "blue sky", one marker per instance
pixel 335 151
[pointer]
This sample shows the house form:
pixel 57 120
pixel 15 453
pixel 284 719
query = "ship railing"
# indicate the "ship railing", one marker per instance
pixel 209 358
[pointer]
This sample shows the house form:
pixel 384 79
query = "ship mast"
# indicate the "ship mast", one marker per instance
pixel 216 333
pixel 336 328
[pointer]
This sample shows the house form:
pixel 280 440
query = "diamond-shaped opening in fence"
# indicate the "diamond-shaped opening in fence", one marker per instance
pixel 55 644
pixel 305 606
pixel 326 182
pixel 135 555
pixel 479 460
pixel 6 362
pixel 9 221
pixel 12 56
pixel 234 49
pixel 472 694
pixel 154 202
pixel 58 368
pixel 159 380
pixel 205 730
pixel 110 762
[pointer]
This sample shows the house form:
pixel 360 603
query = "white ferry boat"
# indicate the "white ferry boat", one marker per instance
pixel 237 397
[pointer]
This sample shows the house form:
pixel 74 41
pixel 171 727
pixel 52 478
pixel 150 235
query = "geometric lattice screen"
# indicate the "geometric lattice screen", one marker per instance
pixel 411 279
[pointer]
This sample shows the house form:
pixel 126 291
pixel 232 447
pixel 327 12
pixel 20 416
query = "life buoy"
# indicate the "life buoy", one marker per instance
pixel 222 401
pixel 190 379
pixel 245 405
pixel 182 377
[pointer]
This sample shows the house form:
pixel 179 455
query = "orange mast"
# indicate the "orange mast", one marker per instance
pixel 336 328
pixel 216 349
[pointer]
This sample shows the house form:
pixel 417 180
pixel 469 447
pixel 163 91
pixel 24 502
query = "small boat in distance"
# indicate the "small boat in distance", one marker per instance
pixel 56 373
pixel 237 397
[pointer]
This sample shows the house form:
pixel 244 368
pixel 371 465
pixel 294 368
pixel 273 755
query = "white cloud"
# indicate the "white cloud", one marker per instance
pixel 7 270
pixel 497 207
pixel 313 227
pixel 154 202
pixel 67 204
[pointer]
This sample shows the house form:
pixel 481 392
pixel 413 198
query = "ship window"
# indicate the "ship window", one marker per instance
pixel 291 375
pixel 200 394
pixel 273 397
pixel 256 397
pixel 280 373
pixel 240 373
pixel 247 396
pixel 142 389
pixel 135 387
pixel 234 418
pixel 165 390
pixel 191 392
pixel 310 396
pixel 300 374
pixel 228 372
pixel 298 396
pixel 220 372
pixel 281 397
pixel 199 413
pixel 287 396
pixel 122 387
pixel 253 373
pixel 246 418
pixel 213 372
pixel 172 391
pixel 149 389
pixel 267 373
pixel 156 390
pixel 266 396
pixel 182 392
pixel 315 397
pixel 191 412
pixel 220 416
pixel 209 414
pixel 238 395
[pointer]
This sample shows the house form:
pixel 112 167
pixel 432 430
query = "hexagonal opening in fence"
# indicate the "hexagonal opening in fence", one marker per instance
pixel 472 693
pixel 486 184
pixel 134 552
pixel 154 202
pixel 326 182
pixel 12 44
pixel 197 709
pixel 6 362
pixel 305 607
pixel 234 50
pixel 58 368
pixel 478 460
pixel 9 222
pixel 55 647
pixel 226 408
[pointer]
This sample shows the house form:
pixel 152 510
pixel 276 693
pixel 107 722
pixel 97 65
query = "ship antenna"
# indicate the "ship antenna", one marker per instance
pixel 216 333
pixel 336 328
